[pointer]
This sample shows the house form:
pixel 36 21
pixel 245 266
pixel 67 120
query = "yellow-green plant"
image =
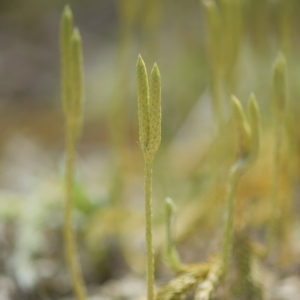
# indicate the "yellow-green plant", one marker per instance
pixel 207 287
pixel 279 100
pixel 248 146
pixel 231 34
pixel 149 114
pixel 246 282
pixel 224 39
pixel 72 98
pixel 181 286
pixel 207 277
pixel 172 255
pixel 224 33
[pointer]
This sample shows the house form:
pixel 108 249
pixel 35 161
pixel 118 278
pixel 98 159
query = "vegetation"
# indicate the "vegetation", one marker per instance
pixel 149 108
pixel 72 98
pixel 229 175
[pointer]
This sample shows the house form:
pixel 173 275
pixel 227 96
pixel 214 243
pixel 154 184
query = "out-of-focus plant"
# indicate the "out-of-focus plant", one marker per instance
pixel 172 255
pixel 208 276
pixel 246 282
pixel 248 147
pixel 279 103
pixel 72 99
pixel 224 20
pixel 224 34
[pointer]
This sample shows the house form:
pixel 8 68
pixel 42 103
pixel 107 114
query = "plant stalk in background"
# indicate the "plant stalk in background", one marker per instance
pixel 248 147
pixel 172 255
pixel 279 100
pixel 225 31
pixel 72 98
pixel 149 113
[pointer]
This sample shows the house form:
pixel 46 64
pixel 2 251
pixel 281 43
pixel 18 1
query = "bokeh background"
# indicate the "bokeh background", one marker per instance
pixel 108 192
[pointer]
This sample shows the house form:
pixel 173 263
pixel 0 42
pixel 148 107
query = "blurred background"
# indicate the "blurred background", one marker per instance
pixel 108 192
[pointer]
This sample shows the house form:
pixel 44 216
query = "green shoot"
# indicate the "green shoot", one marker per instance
pixel 72 97
pixel 279 100
pixel 149 112
pixel 172 255
pixel 248 145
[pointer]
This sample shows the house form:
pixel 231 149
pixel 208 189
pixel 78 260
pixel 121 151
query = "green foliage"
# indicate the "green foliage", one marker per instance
pixel 236 257
pixel 72 97
pixel 208 171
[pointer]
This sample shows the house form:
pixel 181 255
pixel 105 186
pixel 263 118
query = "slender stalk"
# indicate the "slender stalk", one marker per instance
pixel 274 188
pixel 72 98
pixel 149 240
pixel 149 113
pixel 248 147
pixel 228 232
pixel 69 236
pixel 172 255
pixel 279 102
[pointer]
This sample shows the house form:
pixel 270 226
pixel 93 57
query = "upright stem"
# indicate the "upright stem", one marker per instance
pixel 69 236
pixel 228 233
pixel 274 188
pixel 149 242
pixel 172 256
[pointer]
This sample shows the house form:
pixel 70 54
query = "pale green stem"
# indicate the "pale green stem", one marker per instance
pixel 172 254
pixel 149 242
pixel 69 236
pixel 274 188
pixel 229 229
pixel 169 237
